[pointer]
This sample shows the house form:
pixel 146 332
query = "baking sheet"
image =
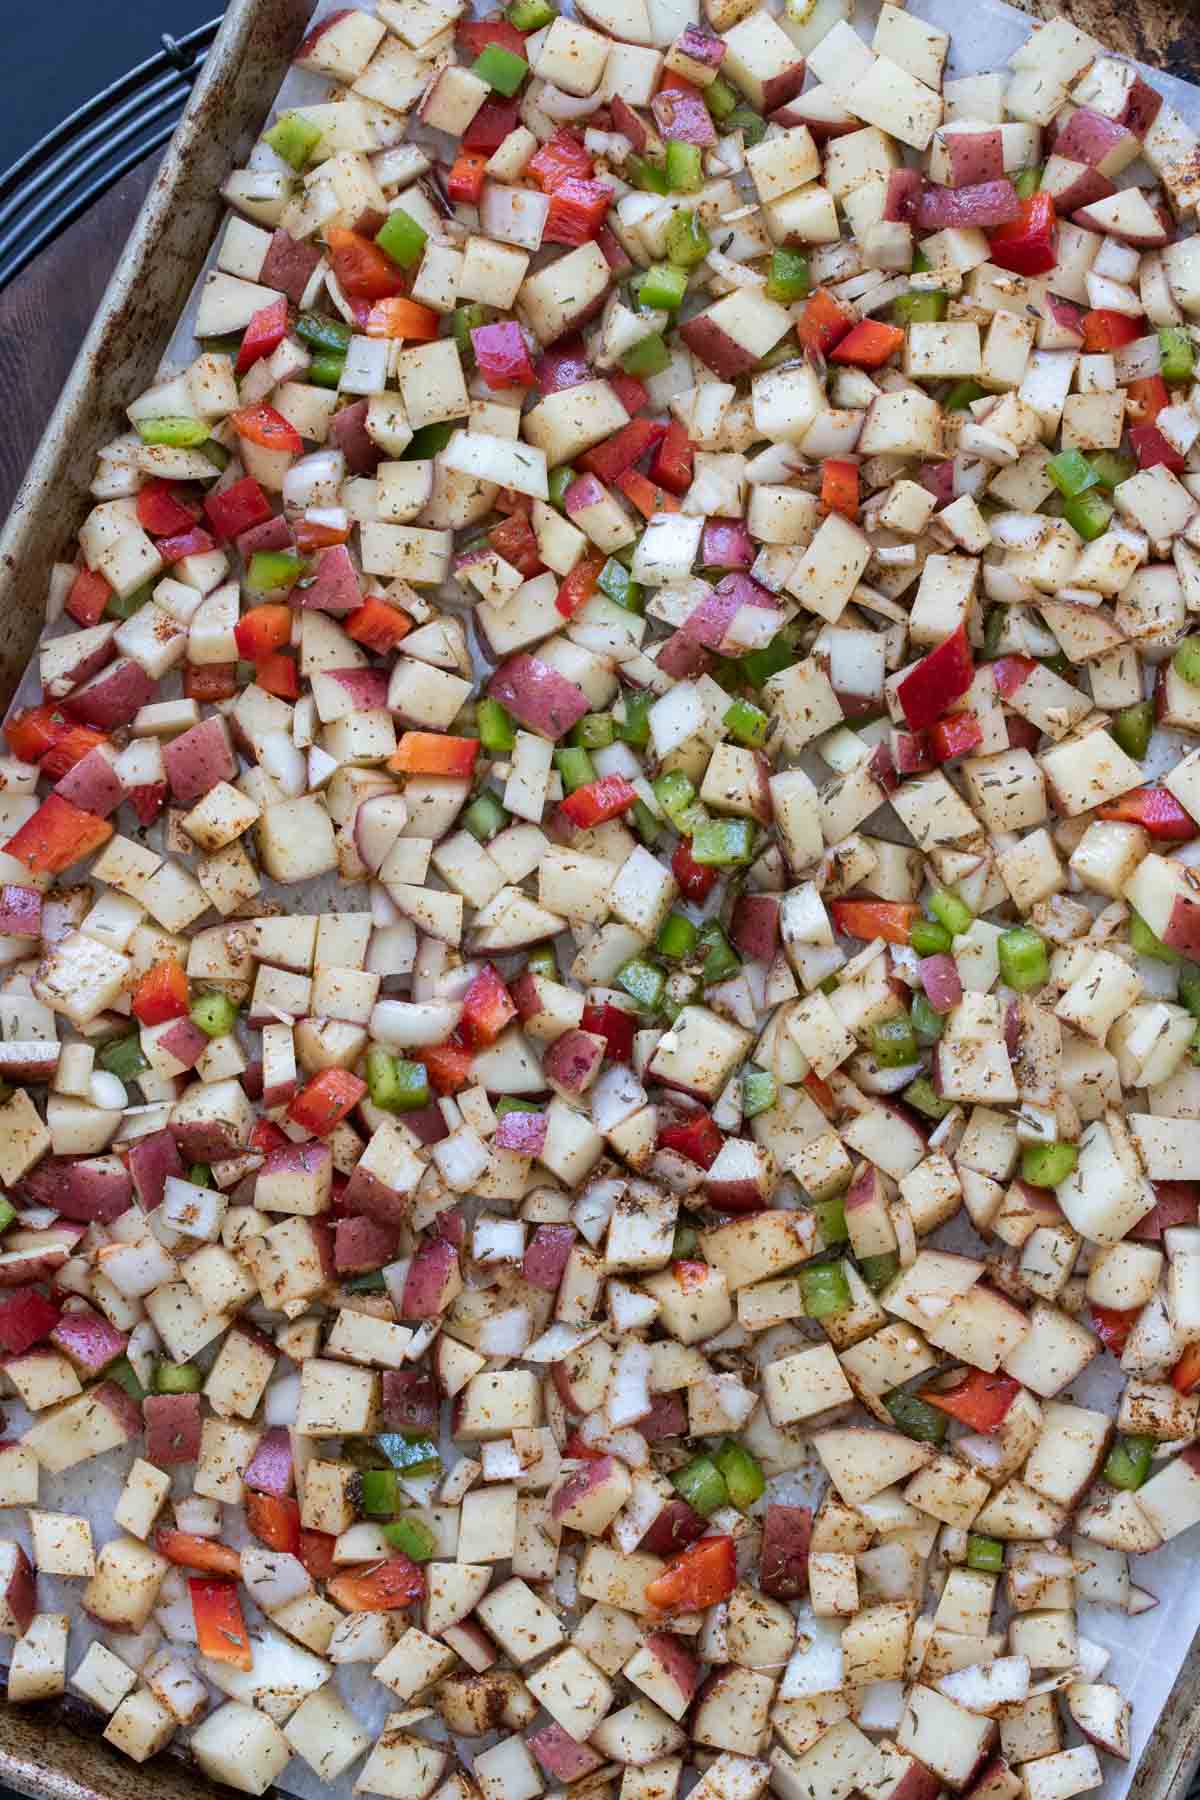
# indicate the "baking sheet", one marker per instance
pixel 1146 1652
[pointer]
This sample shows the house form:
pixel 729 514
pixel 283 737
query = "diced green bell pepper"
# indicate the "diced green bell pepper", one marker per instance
pixel 922 1097
pixel 927 1025
pixel 928 938
pixel 1045 1165
pixel 984 1554
pixel 720 98
pixel 1027 182
pixel 1089 514
pixel 892 1042
pixel 618 585
pixel 1147 942
pixel 685 173
pixel 950 911
pixel 702 1485
pixel 788 277
pixel 123 1058
pixel 720 958
pixel 648 357
pixel 410 1534
pixel 321 333
pixel 1128 1462
pixel 831 1219
pixel 877 1271
pixel 923 306
pixel 502 69
pixel 1177 355
pixel 824 1290
pixel 530 15
pixel 676 937
pixel 961 395
pixel 760 1091
pixel 485 816
pixel 688 243
pixel 1071 472
pixel 642 982
pixel 1133 727
pixel 214 1013
pixel 1024 961
pixel 723 843
pixel 497 730
pixel 744 1478
pixel 747 724
pixel 294 138
pixel 177 1378
pixel 634 727
pixel 273 571
pixel 402 238
pixel 176 434
pixel 916 1418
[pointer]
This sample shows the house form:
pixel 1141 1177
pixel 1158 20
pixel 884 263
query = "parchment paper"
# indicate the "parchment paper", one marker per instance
pixel 1147 1652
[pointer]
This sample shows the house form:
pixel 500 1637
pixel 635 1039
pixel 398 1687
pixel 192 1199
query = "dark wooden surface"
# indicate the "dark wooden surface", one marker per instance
pixel 45 312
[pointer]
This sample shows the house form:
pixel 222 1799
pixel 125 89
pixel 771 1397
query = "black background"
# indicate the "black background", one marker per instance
pixel 57 57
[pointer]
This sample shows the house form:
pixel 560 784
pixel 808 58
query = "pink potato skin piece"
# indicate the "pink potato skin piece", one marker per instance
pixel 16 1268
pixel 185 1042
pixel 667 1418
pixel 367 688
pixel 682 656
pixel 125 1409
pixel 173 1424
pixel 755 926
pixel 1182 931
pixel 410 1400
pixel 27 1317
pixel 572 1061
pixel 975 156
pixel 561 1756
pixel 783 1566
pixel 288 268
pixel 348 430
pixel 113 697
pixel 522 1132
pixel 430 1277
pixel 920 1783
pixel 96 1189
pixel 270 1469
pixel 1175 1204
pixel 366 1196
pixel 682 1667
pixel 197 759
pixel 1104 144
pixel 676 1526
pixel 21 1597
pixel 538 697
pixel 272 534
pixel 683 118
pixel 29 1060
pixel 361 1244
pixel 151 1160
pixel 579 1484
pixel 87 1340
pixel 716 349
pixel 1074 184
pixel 93 784
pixel 903 193
pixel 335 586
pixel 546 1255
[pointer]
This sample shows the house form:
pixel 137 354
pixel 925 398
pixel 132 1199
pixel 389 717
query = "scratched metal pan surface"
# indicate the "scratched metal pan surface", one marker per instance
pixel 54 1752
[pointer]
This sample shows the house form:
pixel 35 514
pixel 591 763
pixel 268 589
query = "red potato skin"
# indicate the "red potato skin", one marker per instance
pixel 21 1597
pixel 547 1254
pixel 27 1317
pixel 366 687
pixel 288 267
pixel 151 1160
pixel 124 1408
pixel 1142 106
pixel 272 534
pixel 270 1470
pixel 783 1568
pixel 561 1756
pixel 92 658
pixel 975 156
pixel 92 1190
pixel 430 1277
pixel 679 1664
pixel 538 697
pixel 822 129
pixel 29 1061
pixel 735 1196
pixel 173 1423
pixel 755 926
pixel 367 1197
pixel 917 1783
pixel 19 1267
pixel 93 784
pixel 1182 930
pixel 572 1062
pixel 1176 1203
pixel 716 349
pixel 410 1400
pixel 185 1042
pixel 197 759
pixel 348 430
pixel 682 656
pixel 676 1526
pixel 1088 137
pixel 207 1141
pixel 88 1341
pixel 335 587
pixel 1075 183
pixel 579 1483
pixel 361 1244
pixel 113 697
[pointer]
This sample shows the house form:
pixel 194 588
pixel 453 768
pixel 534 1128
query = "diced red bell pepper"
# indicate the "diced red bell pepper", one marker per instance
pixel 447 1065
pixel 577 211
pixel 1153 451
pixel 601 800
pixel 468 172
pixel 89 595
pixel 891 920
pixel 632 393
pixel 363 270
pixel 614 1025
pixel 696 880
pixel 672 464
pixel 236 508
pixel 264 426
pixel 43 734
pixel 262 631
pixel 821 1092
pixel 316 1553
pixel 624 448
pixel 162 511
pixel 1029 245
pixel 220 1628
pixel 697 1137
pixel 377 625
pixel 59 834
pixel 399 317
pixel 823 323
pixel 433 753
pixel 488 1009
pixel 1156 810
pixel 472 36
pixel 1113 1325
pixel 1145 398
pixel 266 1137
pixel 274 1520
pixel 577 588
pixel 263 334
pixel 937 681
pixel 189 1551
pixel 1104 330
pixel 1009 673
pixel 378 1587
pixel 702 1575
pixel 195 542
pixel 839 487
pixel 1185 1376
pixel 161 994
pixel 326 1100
pixel 868 345
pixel 278 674
pixel 491 125
pixel 502 355
pixel 562 159
pixel 956 735
pixel 513 539
pixel 209 682
pixel 979 1401
pixel 641 491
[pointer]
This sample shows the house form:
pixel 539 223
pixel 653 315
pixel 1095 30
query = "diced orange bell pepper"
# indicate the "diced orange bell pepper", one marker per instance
pixel 432 753
pixel 209 682
pixel 577 588
pixel 645 496
pixel 1104 331
pixel 263 630
pixel 1156 810
pixel 265 426
pixel 220 1628
pixel 823 323
pixel 59 834
pixel 702 1575
pixel 161 994
pixel 325 1101
pixel 839 487
pixel 464 184
pixel 378 1587
pixel 274 1521
pixel 89 595
pixel 377 625
pixel 868 345
pixel 398 317
pixel 1185 1376
pixel 487 1008
pixel 890 920
pixel 363 270
pixel 821 1092
pixel 188 1551
pixel 277 674
pixel 979 1401
pixel 1113 1325
pixel 1146 397
pixel 447 1065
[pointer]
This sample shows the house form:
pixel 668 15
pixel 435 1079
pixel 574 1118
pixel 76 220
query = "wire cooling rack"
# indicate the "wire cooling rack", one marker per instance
pixel 56 181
